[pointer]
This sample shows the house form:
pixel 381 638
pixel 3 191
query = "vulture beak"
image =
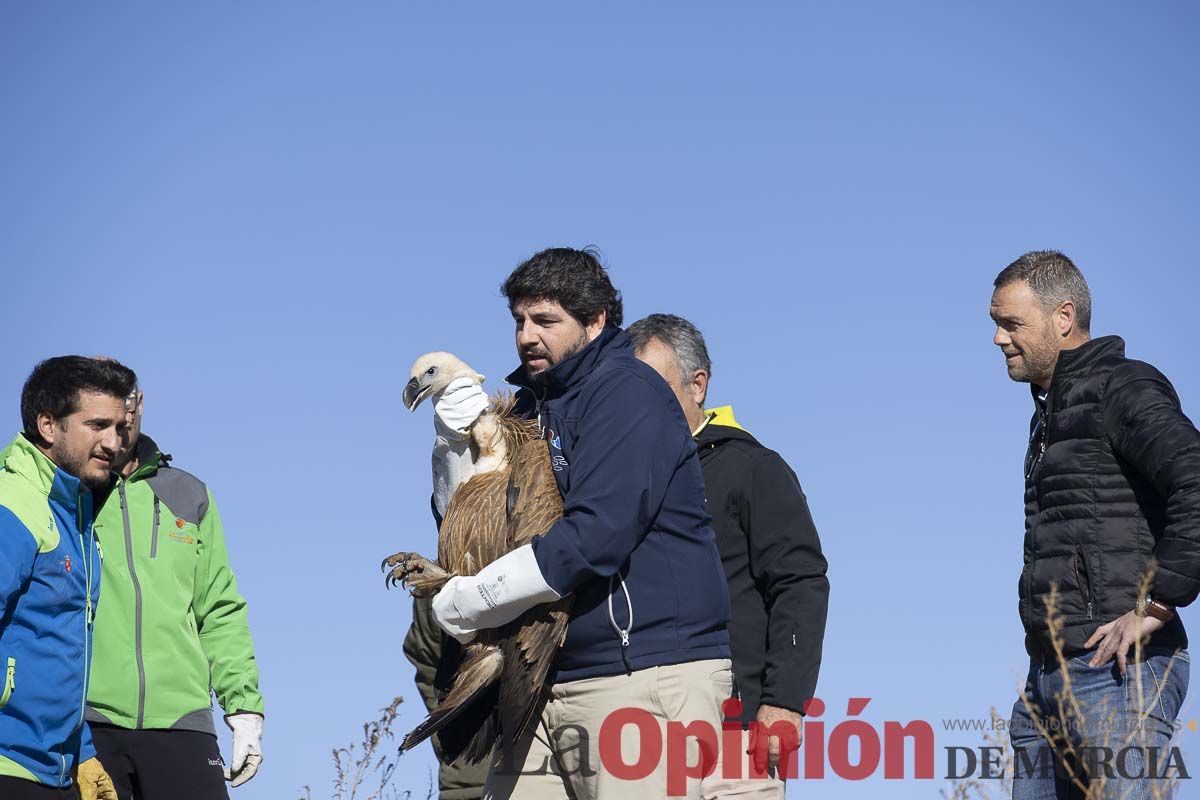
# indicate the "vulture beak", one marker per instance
pixel 414 393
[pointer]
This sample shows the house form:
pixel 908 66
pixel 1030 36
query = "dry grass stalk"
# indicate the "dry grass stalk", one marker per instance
pixel 364 769
pixel 1070 713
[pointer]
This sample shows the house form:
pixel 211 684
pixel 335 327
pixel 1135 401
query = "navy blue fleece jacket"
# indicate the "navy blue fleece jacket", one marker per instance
pixel 634 517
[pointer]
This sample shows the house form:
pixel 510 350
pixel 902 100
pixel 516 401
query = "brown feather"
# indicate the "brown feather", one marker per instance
pixel 478 671
pixel 489 515
pixel 535 637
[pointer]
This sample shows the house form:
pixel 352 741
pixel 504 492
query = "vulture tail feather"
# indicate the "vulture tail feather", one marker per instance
pixel 478 672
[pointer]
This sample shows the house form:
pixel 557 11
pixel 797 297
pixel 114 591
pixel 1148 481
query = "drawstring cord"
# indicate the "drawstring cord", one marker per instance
pixel 612 620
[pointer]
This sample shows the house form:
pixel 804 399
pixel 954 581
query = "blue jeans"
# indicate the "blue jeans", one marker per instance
pixel 1115 738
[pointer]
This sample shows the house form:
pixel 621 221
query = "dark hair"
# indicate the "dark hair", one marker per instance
pixel 1055 280
pixel 574 279
pixel 685 341
pixel 54 385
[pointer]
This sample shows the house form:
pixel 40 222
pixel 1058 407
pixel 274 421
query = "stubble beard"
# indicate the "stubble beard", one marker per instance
pixel 77 465
pixel 1036 364
pixel 575 347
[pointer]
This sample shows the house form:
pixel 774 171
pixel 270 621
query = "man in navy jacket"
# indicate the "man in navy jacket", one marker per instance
pixel 648 626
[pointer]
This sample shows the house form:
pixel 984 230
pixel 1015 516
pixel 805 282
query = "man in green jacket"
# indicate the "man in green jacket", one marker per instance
pixel 173 629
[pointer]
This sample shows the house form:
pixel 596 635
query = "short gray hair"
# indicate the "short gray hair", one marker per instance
pixel 685 341
pixel 1055 280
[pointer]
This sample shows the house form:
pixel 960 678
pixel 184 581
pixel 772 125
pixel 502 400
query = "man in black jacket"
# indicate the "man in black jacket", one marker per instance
pixel 769 549
pixel 1112 543
pixel 648 623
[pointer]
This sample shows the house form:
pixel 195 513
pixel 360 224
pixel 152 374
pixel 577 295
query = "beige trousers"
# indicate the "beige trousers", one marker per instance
pixel 571 754
pixel 717 787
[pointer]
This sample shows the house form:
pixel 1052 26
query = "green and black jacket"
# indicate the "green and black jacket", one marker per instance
pixel 172 629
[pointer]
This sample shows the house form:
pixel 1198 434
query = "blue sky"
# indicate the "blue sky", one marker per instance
pixel 269 210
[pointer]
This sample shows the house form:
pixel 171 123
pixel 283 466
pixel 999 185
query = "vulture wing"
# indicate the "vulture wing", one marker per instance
pixel 472 535
pixel 531 642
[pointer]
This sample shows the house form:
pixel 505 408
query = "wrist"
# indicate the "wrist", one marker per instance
pixel 1149 607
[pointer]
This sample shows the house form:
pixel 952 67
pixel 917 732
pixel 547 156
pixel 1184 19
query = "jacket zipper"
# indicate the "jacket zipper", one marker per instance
pixel 1043 431
pixel 154 531
pixel 85 557
pixel 1085 582
pixel 137 608
pixel 10 681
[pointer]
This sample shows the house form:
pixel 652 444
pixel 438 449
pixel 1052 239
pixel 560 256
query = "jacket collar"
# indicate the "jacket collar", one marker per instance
pixel 24 459
pixel 1082 358
pixel 574 370
pixel 149 457
pixel 720 426
pixel 722 415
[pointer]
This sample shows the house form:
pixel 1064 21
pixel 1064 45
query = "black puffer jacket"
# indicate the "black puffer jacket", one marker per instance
pixel 1112 486
pixel 772 559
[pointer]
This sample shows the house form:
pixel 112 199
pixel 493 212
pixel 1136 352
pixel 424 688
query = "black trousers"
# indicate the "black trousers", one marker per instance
pixel 21 789
pixel 161 765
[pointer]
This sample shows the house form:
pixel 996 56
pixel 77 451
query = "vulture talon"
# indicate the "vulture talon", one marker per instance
pixel 404 567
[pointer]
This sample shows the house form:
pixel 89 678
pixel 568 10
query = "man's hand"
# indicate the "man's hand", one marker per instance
pixel 1116 637
pixel 460 405
pixel 497 594
pixel 767 753
pixel 93 781
pixel 247 746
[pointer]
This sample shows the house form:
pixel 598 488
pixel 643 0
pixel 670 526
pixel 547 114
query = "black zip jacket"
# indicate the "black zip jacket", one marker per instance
pixel 634 543
pixel 1112 486
pixel 772 557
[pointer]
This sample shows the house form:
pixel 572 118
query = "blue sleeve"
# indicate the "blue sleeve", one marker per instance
pixel 18 549
pixel 87 749
pixel 628 445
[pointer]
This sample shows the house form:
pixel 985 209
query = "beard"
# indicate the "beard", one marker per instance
pixel 1035 364
pixel 80 465
pixel 572 349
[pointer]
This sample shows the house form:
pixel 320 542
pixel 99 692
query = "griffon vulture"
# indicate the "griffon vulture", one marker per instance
pixel 503 497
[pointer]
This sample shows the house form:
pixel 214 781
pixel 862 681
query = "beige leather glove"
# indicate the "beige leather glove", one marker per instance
pixel 94 783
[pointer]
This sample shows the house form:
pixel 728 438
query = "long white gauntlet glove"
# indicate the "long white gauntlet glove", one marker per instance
pixel 498 593
pixel 454 411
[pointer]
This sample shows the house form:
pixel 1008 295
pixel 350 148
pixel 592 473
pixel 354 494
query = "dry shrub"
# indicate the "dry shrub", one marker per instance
pixel 1068 714
pixel 364 769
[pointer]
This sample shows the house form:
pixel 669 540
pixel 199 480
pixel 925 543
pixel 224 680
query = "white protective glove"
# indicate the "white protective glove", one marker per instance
pixel 498 593
pixel 454 411
pixel 247 746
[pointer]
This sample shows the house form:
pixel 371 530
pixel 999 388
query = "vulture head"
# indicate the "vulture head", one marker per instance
pixel 431 374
